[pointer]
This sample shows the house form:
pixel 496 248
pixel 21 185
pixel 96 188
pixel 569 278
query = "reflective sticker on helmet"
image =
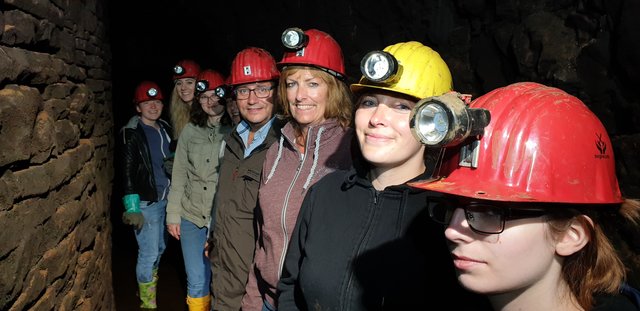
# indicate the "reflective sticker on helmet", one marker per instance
pixel 300 52
pixel 247 70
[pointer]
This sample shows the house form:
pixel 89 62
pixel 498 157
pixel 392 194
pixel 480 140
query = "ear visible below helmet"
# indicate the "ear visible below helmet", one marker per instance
pixel 420 71
pixel 253 65
pixel 145 91
pixel 317 49
pixel 541 145
pixel 186 68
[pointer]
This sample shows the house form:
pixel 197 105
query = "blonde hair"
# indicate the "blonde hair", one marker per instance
pixel 179 111
pixel 339 101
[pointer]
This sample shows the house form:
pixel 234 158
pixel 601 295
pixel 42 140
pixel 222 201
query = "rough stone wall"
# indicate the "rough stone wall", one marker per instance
pixel 56 150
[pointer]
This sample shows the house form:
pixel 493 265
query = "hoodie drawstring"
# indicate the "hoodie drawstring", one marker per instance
pixel 315 159
pixel 275 164
pixel 316 155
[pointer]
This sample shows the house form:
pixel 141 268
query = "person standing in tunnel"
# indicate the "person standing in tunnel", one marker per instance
pixel 194 183
pixel 146 140
pixel 362 239
pixel 185 73
pixel 253 79
pixel 538 222
pixel 316 141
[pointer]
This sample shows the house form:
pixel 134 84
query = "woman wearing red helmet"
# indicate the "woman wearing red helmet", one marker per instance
pixel 533 213
pixel 146 140
pixel 315 141
pixel 185 73
pixel 194 183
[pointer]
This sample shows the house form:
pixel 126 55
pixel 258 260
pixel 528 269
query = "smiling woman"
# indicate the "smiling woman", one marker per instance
pixel 315 141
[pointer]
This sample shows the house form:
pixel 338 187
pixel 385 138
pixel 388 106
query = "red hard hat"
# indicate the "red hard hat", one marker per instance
pixel 321 51
pixel 186 68
pixel 145 91
pixel 214 79
pixel 542 145
pixel 253 65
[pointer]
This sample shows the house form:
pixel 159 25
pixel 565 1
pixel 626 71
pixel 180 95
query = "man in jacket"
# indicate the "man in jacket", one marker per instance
pixel 253 79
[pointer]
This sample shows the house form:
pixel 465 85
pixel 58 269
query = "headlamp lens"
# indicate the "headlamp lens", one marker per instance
pixel 432 124
pixel 178 70
pixel 201 86
pixel 152 92
pixel 220 92
pixel 293 38
pixel 378 66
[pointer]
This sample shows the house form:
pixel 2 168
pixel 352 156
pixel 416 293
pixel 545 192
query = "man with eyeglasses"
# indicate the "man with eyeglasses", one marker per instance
pixel 253 81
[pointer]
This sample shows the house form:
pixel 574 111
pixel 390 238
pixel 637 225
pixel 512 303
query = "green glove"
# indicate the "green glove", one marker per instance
pixel 132 216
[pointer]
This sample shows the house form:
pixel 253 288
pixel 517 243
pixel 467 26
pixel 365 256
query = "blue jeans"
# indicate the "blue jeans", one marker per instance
pixel 196 265
pixel 152 239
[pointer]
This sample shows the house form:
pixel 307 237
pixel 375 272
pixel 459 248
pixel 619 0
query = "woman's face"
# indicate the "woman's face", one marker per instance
pixel 150 111
pixel 382 127
pixel 307 95
pixel 210 103
pixel 521 257
pixel 186 88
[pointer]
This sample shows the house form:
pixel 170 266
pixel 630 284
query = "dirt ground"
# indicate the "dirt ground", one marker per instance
pixel 171 276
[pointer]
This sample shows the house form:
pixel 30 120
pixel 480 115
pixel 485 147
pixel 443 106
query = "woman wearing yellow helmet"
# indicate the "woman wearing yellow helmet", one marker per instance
pixel 362 240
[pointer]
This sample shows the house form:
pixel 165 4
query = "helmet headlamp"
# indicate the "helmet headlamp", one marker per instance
pixel 379 66
pixel 202 85
pixel 294 38
pixel 220 91
pixel 446 120
pixel 152 92
pixel 178 70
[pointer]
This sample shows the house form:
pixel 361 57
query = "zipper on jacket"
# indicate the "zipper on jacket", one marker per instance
pixel 373 211
pixel 283 215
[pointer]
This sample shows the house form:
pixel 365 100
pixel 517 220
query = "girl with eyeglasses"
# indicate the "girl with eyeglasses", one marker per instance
pixel 195 177
pixel 539 223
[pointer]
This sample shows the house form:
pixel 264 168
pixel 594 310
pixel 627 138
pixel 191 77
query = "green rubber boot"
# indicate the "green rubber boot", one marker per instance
pixel 148 294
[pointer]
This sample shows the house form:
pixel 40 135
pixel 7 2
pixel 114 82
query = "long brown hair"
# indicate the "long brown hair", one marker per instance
pixel 598 268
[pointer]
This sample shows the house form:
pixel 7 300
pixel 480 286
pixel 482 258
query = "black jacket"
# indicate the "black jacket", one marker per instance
pixel 355 248
pixel 136 157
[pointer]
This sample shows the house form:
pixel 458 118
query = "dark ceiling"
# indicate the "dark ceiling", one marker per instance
pixel 589 48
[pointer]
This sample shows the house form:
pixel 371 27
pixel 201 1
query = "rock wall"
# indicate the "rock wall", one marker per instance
pixel 56 166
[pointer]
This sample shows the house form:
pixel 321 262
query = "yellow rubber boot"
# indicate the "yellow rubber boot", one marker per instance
pixel 199 304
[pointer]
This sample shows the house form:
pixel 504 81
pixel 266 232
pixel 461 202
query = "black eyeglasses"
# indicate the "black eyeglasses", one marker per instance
pixel 213 98
pixel 260 91
pixel 482 217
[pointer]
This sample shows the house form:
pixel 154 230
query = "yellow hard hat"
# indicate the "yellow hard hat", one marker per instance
pixel 414 69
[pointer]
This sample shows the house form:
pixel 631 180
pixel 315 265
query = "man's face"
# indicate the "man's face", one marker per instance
pixel 255 102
